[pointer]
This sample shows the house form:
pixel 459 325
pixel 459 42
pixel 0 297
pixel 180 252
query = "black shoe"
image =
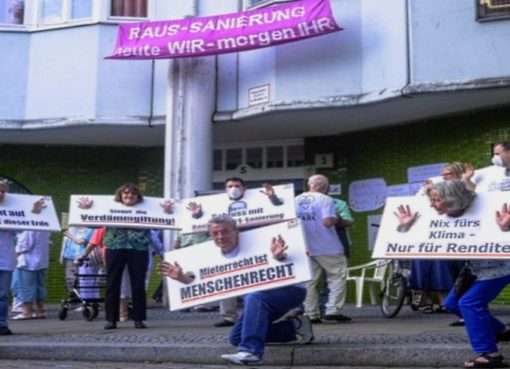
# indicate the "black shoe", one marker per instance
pixel 337 318
pixel 139 324
pixel 110 325
pixel 224 323
pixel 503 336
pixel 458 323
pixel 315 320
pixel 4 331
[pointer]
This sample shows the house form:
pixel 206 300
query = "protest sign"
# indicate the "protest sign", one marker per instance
pixel 252 269
pixel 253 209
pixel 16 213
pixel 105 211
pixel 473 235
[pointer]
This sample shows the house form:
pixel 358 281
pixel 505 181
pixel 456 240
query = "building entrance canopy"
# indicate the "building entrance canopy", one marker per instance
pixel 226 33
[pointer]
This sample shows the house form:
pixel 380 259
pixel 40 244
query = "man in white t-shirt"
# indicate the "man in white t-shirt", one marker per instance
pixel 318 216
pixel 497 176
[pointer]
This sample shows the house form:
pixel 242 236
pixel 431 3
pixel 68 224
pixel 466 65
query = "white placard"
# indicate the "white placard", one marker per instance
pixel 105 211
pixel 367 194
pixel 474 235
pixel 253 209
pixel 16 213
pixel 424 172
pixel 253 269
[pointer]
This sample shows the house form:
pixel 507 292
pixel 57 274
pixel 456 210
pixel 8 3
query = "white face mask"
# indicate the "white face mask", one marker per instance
pixel 234 193
pixel 496 160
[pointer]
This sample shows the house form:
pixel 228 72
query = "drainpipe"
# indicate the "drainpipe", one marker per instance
pixel 151 108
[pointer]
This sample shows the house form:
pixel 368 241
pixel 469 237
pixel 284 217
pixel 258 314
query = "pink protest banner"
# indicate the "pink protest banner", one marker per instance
pixel 225 33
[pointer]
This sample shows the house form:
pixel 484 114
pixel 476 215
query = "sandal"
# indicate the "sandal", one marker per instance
pixel 428 309
pixel 486 361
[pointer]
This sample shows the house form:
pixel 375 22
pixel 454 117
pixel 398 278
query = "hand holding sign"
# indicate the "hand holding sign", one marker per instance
pixel 174 271
pixel 271 194
pixel 278 248
pixel 38 206
pixel 406 218
pixel 196 209
pixel 167 206
pixel 85 203
pixel 503 218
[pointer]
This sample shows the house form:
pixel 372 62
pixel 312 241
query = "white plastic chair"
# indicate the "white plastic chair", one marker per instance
pixel 376 277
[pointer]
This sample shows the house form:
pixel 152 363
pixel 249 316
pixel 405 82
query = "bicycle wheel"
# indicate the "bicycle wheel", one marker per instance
pixel 393 295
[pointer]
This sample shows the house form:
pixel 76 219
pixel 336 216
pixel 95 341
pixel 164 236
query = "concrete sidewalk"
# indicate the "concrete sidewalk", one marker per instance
pixel 409 340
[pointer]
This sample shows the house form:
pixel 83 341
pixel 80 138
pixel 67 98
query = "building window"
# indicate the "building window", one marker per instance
pixel 234 158
pixel 254 157
pixel 81 9
pixel 218 160
pixel 12 11
pixel 62 11
pixel 129 8
pixel 295 156
pixel 275 157
pixel 493 10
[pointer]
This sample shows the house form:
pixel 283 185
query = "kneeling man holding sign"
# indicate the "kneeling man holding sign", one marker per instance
pixel 261 308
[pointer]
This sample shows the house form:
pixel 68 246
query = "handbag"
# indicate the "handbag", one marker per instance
pixel 464 281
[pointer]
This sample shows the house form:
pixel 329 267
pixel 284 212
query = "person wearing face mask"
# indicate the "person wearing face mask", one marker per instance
pixel 497 176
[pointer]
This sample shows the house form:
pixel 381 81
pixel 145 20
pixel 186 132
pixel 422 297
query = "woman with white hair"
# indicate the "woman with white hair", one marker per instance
pixel 452 199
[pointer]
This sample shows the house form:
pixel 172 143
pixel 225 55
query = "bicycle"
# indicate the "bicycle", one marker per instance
pixel 397 290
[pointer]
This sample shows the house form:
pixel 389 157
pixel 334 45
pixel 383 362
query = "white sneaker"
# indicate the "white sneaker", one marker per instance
pixel 242 358
pixel 304 330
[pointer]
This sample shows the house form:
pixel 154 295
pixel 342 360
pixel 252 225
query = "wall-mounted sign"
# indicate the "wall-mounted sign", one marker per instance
pixel 367 194
pixel 399 190
pixel 258 95
pixel 335 189
pixel 424 172
pixel 324 161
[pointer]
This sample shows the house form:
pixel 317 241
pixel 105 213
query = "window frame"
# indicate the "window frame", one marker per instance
pixel 17 25
pixel 486 12
pixel 122 19
pixel 65 16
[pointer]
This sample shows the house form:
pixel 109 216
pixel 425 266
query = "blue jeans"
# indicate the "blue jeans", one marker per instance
pixel 255 327
pixel 473 307
pixel 5 285
pixel 31 285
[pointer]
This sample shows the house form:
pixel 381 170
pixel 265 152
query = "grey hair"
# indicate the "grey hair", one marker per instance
pixel 224 219
pixel 319 181
pixel 454 193
pixel 4 185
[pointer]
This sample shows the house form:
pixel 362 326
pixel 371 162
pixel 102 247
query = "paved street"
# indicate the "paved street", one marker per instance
pixel 31 364
pixel 412 339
